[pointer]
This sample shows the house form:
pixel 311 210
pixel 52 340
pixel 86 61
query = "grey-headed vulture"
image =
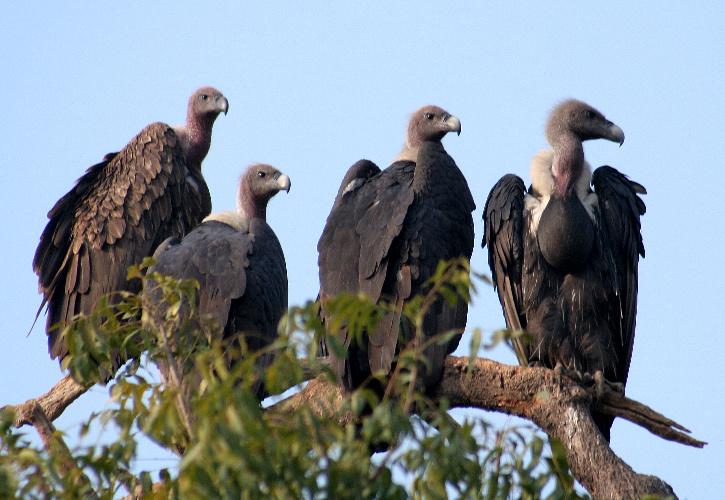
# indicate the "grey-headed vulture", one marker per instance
pixel 120 210
pixel 564 254
pixel 239 264
pixel 385 235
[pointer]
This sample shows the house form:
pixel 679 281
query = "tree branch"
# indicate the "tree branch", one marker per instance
pixel 55 445
pixel 52 403
pixel 556 404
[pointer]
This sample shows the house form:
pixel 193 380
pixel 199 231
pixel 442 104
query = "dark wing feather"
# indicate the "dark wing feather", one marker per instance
pixel 357 175
pixel 503 234
pixel 354 245
pixel 620 209
pixel 214 254
pixel 242 280
pixel 258 312
pixel 116 215
pixel 384 206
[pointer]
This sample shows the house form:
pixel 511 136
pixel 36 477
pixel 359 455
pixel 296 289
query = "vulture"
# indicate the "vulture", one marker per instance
pixel 384 237
pixel 120 210
pixel 238 262
pixel 564 255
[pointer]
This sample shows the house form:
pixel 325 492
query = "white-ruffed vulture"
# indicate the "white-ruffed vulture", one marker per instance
pixel 564 254
pixel 240 267
pixel 385 235
pixel 120 210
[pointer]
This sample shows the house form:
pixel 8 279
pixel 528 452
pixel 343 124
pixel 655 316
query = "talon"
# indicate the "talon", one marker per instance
pixel 581 378
pixel 600 383
pixel 617 387
pixel 603 385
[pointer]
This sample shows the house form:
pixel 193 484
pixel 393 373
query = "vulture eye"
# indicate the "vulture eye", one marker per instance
pixel 261 174
pixel 204 97
pixel 428 116
pixel 591 114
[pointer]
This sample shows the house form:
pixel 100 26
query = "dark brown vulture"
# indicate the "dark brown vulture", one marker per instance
pixel 564 257
pixel 385 236
pixel 240 267
pixel 120 211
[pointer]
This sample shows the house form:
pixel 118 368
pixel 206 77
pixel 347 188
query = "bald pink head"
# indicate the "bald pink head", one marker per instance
pixel 257 185
pixel 430 123
pixel 579 119
pixel 204 106
pixel 570 123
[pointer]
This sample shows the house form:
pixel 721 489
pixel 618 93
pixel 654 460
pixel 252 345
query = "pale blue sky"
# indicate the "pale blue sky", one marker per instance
pixel 315 86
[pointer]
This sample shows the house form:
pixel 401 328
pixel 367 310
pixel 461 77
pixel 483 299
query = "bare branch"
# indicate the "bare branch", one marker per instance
pixel 53 403
pixel 556 404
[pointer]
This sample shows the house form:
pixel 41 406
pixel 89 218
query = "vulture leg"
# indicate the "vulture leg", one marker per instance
pixel 603 385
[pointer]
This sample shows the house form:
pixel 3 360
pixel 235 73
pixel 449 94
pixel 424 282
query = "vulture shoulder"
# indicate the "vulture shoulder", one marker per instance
pixel 356 242
pixel 264 302
pixel 503 235
pixel 214 254
pixel 620 209
pixel 382 211
pixel 242 276
pixel 360 230
pixel 114 216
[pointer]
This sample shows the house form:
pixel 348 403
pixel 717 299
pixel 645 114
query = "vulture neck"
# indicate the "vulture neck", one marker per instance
pixel 409 152
pixel 568 164
pixel 249 206
pixel 198 140
pixel 427 169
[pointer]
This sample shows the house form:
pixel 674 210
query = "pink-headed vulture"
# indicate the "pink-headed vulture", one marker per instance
pixel 564 254
pixel 384 237
pixel 239 264
pixel 120 210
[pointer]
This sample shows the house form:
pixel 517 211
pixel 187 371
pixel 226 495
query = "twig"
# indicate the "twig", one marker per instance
pixel 55 445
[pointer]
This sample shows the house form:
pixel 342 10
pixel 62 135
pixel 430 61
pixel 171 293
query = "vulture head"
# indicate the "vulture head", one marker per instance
pixel 257 186
pixel 205 105
pixel 581 120
pixel 431 123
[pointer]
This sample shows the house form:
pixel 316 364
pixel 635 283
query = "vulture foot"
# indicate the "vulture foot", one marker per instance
pixel 585 379
pixel 602 385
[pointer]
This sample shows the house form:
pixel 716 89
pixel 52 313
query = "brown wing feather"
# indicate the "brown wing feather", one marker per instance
pixel 116 215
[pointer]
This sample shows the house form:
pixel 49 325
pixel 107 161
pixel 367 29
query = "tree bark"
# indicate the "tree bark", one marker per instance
pixel 555 403
pixel 53 403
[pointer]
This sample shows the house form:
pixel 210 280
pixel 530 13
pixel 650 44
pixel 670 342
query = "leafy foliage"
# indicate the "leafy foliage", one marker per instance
pixel 234 448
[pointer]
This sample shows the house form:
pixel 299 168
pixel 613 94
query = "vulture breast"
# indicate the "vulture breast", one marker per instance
pixel 565 234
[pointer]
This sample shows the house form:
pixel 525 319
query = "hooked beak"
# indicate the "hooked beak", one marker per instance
pixel 222 104
pixel 615 134
pixel 453 123
pixel 284 183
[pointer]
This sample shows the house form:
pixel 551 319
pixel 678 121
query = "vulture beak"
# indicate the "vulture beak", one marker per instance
pixel 223 104
pixel 615 133
pixel 284 182
pixel 453 123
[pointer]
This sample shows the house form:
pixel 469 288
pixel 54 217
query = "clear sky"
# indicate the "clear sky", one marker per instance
pixel 315 86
